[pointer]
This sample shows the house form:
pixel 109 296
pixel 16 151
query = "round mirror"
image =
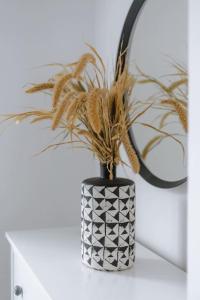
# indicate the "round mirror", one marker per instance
pixel 155 36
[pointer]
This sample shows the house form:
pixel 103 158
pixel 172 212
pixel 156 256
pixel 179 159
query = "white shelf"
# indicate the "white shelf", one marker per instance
pixel 53 255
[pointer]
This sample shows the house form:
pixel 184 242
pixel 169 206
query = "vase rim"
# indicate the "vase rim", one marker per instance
pixel 99 181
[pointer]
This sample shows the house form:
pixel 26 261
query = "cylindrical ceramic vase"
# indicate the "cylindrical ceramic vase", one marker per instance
pixel 108 223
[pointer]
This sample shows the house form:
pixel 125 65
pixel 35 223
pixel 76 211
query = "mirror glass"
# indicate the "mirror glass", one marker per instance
pixel 157 56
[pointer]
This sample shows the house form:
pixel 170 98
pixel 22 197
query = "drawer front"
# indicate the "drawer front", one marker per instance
pixel 23 277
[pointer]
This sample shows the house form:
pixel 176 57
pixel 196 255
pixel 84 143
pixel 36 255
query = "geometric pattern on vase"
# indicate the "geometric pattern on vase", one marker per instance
pixel 108 226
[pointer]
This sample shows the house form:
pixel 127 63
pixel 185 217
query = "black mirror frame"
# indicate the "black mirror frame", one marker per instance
pixel 123 45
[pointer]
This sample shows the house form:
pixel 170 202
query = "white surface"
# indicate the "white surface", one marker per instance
pixel 54 257
pixel 194 153
pixel 160 214
pixel 35 190
pixel 24 277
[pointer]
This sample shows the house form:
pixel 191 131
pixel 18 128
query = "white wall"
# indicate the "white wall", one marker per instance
pixel 161 214
pixel 41 191
pixel 194 150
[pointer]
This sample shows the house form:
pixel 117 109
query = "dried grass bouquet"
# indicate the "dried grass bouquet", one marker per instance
pixel 89 112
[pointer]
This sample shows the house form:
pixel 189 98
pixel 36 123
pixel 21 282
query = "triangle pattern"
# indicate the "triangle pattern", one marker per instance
pixel 97 194
pixel 107 226
pixel 109 194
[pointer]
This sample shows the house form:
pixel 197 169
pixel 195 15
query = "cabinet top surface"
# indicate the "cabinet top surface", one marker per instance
pixel 53 255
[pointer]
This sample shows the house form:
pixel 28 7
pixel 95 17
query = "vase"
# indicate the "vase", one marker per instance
pixel 108 222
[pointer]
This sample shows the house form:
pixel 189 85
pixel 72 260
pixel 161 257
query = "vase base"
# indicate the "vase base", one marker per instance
pixel 97 268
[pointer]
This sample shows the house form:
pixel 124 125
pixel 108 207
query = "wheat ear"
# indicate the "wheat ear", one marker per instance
pixel 59 113
pixel 39 87
pixel 59 87
pixel 177 83
pixel 71 111
pixel 92 106
pixel 84 133
pixel 85 58
pixel 132 156
pixel 149 145
pixel 180 109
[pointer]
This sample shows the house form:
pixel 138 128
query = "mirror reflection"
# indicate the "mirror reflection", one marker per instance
pixel 157 57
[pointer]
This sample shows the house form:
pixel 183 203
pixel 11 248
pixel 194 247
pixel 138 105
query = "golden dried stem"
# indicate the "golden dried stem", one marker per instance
pixel 180 109
pixel 84 60
pixel 177 83
pixel 92 107
pixel 132 156
pixel 164 117
pixel 40 87
pixel 42 118
pixel 59 113
pixel 59 87
pixel 84 133
pixel 70 110
pixel 97 55
pixel 149 145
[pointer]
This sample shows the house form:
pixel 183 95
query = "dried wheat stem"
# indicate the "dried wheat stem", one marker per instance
pixel 40 87
pixel 59 113
pixel 92 107
pixel 180 109
pixel 84 133
pixel 149 145
pixel 59 87
pixel 42 118
pixel 177 83
pixel 164 117
pixel 134 161
pixel 71 110
pixel 86 58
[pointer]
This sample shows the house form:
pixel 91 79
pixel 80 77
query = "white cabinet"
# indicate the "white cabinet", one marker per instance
pixel 46 265
pixel 25 284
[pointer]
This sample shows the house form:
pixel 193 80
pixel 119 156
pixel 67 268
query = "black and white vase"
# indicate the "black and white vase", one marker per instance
pixel 108 223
